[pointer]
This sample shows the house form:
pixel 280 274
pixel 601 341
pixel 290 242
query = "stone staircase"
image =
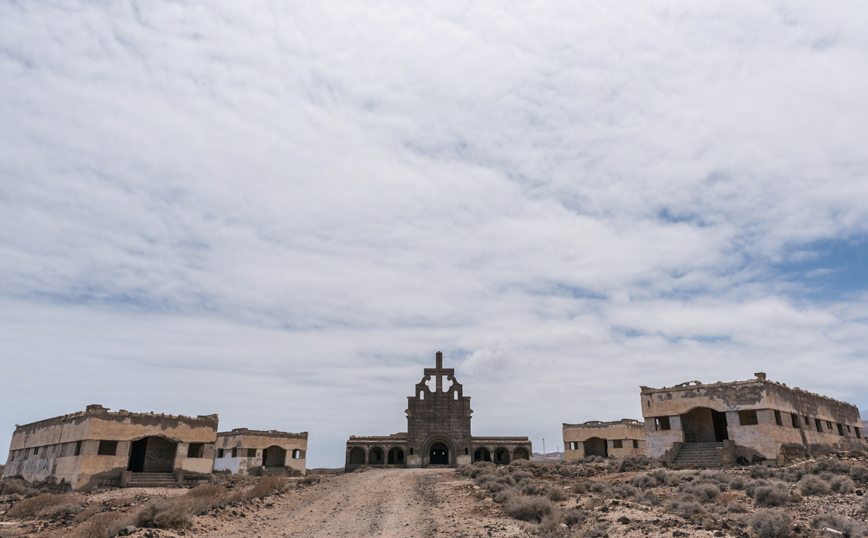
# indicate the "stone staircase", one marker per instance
pixel 152 480
pixel 699 455
pixel 277 471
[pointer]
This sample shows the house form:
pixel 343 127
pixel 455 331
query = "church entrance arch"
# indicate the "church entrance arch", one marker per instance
pixel 439 454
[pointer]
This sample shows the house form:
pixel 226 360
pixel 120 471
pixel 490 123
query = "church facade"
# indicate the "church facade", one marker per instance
pixel 438 432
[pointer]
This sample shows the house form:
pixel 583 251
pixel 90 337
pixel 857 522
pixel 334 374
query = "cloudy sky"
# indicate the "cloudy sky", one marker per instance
pixel 279 212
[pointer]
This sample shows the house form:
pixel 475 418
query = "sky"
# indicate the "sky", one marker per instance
pixel 278 212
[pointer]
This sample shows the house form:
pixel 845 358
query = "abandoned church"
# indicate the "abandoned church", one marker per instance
pixel 97 447
pixel 438 432
pixel 697 424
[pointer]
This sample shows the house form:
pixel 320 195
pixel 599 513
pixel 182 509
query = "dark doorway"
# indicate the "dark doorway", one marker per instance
pixel 375 457
pixel 357 456
pixel 482 454
pixel 501 456
pixel 396 456
pixel 439 454
pixel 274 456
pixel 704 425
pixel 596 446
pixel 152 455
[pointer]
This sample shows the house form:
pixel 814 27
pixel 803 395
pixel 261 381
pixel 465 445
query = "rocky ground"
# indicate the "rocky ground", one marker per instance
pixel 593 499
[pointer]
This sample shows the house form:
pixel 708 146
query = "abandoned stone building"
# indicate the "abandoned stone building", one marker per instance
pixel 272 452
pixel 625 437
pixel 757 420
pixel 99 447
pixel 438 432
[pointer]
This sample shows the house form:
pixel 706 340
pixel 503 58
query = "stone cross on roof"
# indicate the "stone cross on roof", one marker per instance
pixel 439 371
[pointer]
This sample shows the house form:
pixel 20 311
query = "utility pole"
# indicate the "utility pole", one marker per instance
pixel 544 446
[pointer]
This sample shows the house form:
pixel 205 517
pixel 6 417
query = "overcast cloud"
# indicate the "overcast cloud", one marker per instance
pixel 279 212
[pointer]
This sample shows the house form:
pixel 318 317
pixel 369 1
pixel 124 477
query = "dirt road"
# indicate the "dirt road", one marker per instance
pixel 386 503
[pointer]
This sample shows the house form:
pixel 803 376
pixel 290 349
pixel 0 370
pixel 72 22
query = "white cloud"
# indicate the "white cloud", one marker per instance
pixel 279 213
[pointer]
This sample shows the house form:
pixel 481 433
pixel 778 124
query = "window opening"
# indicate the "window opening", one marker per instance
pixel 107 448
pixel 251 452
pixel 78 448
pixel 635 443
pixel 220 452
pixel 819 425
pixel 748 418
pixel 778 420
pixel 234 452
pixel 617 443
pixel 661 423
pixel 840 430
pixel 196 450
pixel 795 420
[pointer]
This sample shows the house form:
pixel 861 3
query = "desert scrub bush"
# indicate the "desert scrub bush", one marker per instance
pixel 850 527
pixel 770 494
pixel 105 525
pixel 528 508
pixel 579 487
pixel 648 498
pixel 842 484
pixel 632 463
pixel 813 485
pixel 714 477
pixel 41 505
pixel 593 459
pixel 14 485
pixel 771 524
pixel 687 507
pixel 644 481
pixel 791 474
pixel 574 516
pixel 599 487
pixel 310 479
pixel 829 465
pixel 267 485
pixel 673 480
pixel 736 482
pixel 175 513
pixel 704 493
pixel 518 476
pixel 556 494
pixel 758 471
pixel 505 494
pixel 624 491
pixel 533 487
pixel 859 473
pixel 598 530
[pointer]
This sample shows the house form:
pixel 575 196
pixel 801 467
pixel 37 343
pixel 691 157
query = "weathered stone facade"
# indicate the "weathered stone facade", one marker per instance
pixel 438 431
pixel 625 437
pixel 755 419
pixel 99 447
pixel 276 453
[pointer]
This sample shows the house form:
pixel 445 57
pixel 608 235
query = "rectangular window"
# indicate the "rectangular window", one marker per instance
pixel 848 428
pixel 828 425
pixel 107 448
pixel 858 433
pixel 840 430
pixel 635 443
pixel 196 450
pixel 617 443
pixel 251 452
pixel 808 422
pixel 235 452
pixel 819 425
pixel 795 420
pixel 778 420
pixel 747 418
pixel 661 423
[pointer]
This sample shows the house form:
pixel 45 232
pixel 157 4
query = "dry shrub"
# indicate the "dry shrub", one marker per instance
pixel 771 524
pixel 759 471
pixel 648 498
pixel 85 514
pixel 599 530
pixel 533 487
pixel 687 507
pixel 673 480
pixel 556 494
pixel 505 494
pixel 528 508
pixel 574 516
pixel 106 525
pixel 736 483
pixel 771 494
pixel 175 513
pixel 813 485
pixel 644 481
pixel 13 485
pixel 830 465
pixel 859 473
pixel 599 487
pixel 309 479
pixel 624 491
pixel 850 527
pixel 704 493
pixel 518 476
pixel 579 488
pixel 267 485
pixel 632 463
pixel 41 505
pixel 842 484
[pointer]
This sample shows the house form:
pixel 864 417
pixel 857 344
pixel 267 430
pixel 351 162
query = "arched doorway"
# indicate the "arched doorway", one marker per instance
pixel 274 456
pixel 520 453
pixel 439 454
pixel 357 456
pixel 375 456
pixel 152 455
pixel 595 446
pixel 482 454
pixel 396 456
pixel 704 425
pixel 501 456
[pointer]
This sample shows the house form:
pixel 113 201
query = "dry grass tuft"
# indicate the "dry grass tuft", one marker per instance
pixel 106 525
pixel 42 505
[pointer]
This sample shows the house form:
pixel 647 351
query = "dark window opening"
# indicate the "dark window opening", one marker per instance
pixel 78 448
pixel 466 451
pixel 778 420
pixel 220 452
pixel 411 451
pixel 617 443
pixel 858 433
pixel 848 428
pixel 808 421
pixel 196 450
pixel 819 425
pixel 840 430
pixel 251 452
pixel 234 452
pixel 795 421
pixel 748 418
pixel 107 448
pixel 661 423
pixel 635 443
pixel 828 424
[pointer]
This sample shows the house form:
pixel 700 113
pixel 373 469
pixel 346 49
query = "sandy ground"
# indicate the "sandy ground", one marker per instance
pixel 383 503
